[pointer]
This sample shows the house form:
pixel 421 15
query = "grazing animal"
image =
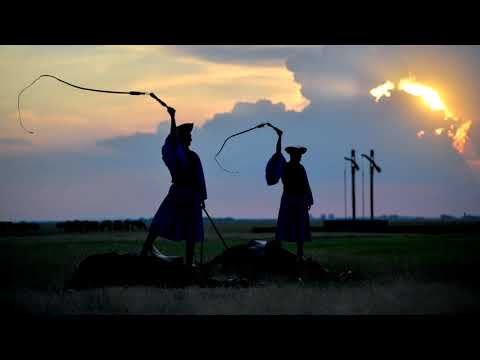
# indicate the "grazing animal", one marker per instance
pixel 67 226
pixel 138 225
pixel 117 225
pixel 92 226
pixel 25 227
pixel 127 225
pixel 7 227
pixel 77 226
pixel 105 225
pixel 60 226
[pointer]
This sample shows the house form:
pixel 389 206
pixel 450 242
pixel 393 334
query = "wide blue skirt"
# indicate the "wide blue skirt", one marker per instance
pixel 293 224
pixel 179 217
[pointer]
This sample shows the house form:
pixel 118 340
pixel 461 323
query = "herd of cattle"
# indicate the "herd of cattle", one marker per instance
pixel 107 225
pixel 76 226
pixel 8 227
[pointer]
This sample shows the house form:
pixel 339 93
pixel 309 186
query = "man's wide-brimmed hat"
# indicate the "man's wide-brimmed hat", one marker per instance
pixel 184 128
pixel 296 150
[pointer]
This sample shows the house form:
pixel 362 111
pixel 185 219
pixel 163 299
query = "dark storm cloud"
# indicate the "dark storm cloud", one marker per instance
pixel 246 54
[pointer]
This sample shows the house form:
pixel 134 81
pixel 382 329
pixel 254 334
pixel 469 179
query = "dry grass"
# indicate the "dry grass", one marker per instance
pixel 399 297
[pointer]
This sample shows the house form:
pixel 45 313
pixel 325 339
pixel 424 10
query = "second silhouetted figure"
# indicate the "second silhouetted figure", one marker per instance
pixel 293 224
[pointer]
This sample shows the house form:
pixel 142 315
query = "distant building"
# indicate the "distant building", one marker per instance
pixel 470 217
pixel 389 217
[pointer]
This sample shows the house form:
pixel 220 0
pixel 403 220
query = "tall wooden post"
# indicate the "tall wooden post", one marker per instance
pixel 372 156
pixel 353 184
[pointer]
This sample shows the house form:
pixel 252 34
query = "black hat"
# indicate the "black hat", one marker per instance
pixel 184 128
pixel 296 149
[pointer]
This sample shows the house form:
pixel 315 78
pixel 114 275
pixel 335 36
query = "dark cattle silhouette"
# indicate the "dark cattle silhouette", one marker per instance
pixel 68 226
pixel 105 225
pixel 76 226
pixel 94 226
pixel 138 225
pixel 127 225
pixel 117 225
pixel 8 227
pixel 21 227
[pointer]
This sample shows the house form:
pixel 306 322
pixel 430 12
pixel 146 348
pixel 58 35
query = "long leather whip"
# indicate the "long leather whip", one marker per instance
pixel 81 88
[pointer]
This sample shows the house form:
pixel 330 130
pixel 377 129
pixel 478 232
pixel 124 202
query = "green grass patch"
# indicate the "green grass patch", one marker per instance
pixel 47 261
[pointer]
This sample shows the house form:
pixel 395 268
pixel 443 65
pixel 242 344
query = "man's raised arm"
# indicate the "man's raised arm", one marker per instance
pixel 279 141
pixel 173 125
pixel 171 111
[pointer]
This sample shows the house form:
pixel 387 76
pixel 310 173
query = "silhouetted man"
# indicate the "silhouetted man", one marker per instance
pixel 293 223
pixel 179 217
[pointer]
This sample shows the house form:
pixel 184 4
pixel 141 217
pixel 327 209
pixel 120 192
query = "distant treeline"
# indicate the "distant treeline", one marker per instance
pixel 106 225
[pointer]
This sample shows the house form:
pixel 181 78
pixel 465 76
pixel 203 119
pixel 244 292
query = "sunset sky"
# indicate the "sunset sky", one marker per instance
pixel 99 155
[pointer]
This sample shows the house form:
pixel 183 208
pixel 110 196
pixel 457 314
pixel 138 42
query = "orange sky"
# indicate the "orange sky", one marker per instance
pixel 62 116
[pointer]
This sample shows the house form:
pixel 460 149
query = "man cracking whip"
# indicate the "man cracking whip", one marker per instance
pixel 293 223
pixel 179 217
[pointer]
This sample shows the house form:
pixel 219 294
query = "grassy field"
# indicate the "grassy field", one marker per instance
pixel 34 268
